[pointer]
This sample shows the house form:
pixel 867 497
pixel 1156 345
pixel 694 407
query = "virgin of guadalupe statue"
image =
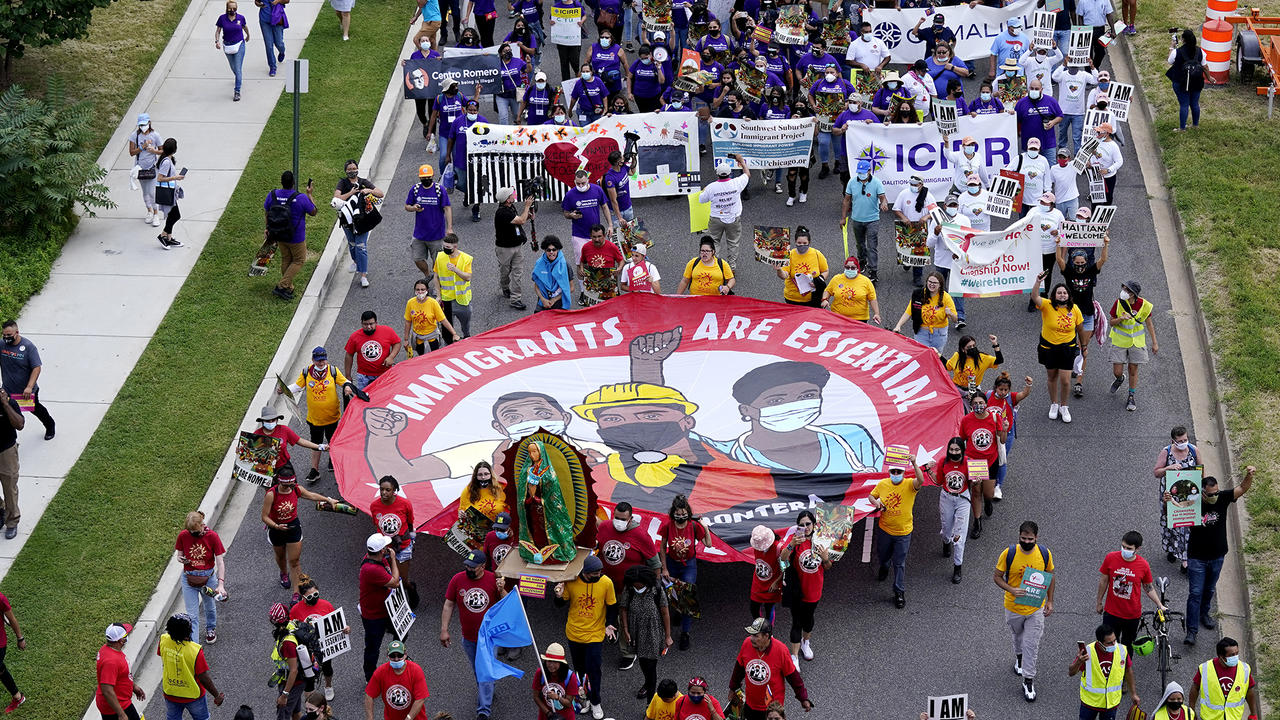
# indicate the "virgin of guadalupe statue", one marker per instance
pixel 546 529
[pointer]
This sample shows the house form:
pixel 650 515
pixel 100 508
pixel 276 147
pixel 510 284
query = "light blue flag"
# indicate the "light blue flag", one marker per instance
pixel 505 625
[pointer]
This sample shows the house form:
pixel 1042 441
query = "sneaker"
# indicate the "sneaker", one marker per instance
pixel 280 56
pixel 955 575
pixel 328 694
pixel 173 243
pixel 795 660
pixel 946 549
pixel 597 712
pixel 157 220
pixel 210 637
pixel 824 173
pixel 791 201
pixel 582 299
pixel 1077 390
pixel 519 305
pixel 1207 622
pixel 482 716
pixel 11 532
pixel 1029 690
pixel 283 295
pixel 1131 404
pixel 899 600
pixel 1115 384
pixel 626 663
pixel 999 494
pixel 163 242
pixel 1017 666
pixel 313 476
pixel 804 197
pixel 17 700
pixel 1190 639
pixel 1065 413
pixel 271 72
pixel 806 650
pixel 284 580
pixel 1130 30
pixel 236 97
pixel 777 188
pixel 961 324
pixel 684 641
pixel 364 281
pixel 643 693
pixel 1053 411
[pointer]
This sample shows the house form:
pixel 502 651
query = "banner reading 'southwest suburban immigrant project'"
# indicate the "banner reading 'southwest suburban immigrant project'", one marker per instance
pixel 766 144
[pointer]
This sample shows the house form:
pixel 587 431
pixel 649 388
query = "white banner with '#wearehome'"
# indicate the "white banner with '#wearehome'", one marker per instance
pixel 899 151
pixel 975 28
pixel 1001 262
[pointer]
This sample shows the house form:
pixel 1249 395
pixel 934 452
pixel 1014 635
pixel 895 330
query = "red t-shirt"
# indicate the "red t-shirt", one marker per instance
pixel 374 577
pixel 288 649
pixel 1226 676
pixel 980 435
pixel 621 550
pixel 399 691
pixel 953 476
pixel 496 549
pixel 768 570
pixel 681 544
pixel 687 709
pixel 568 690
pixel 766 673
pixel 284 505
pixel 395 519
pixel 302 612
pixel 288 438
pixel 1002 407
pixel 113 669
pixel 473 598
pixel 199 551
pixel 1124 585
pixel 809 566
pixel 606 256
pixel 371 350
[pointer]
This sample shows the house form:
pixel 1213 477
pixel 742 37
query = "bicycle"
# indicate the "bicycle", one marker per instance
pixel 1153 634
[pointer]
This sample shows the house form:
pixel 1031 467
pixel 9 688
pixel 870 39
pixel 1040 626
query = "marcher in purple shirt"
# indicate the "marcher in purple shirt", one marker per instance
pixel 590 96
pixel 486 16
pixel 231 35
pixel 1038 115
pixel 458 149
pixel 647 81
pixel 433 219
pixel 293 253
pixel 583 205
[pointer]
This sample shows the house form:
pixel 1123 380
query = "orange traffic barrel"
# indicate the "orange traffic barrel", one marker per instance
pixel 1219 9
pixel 1216 43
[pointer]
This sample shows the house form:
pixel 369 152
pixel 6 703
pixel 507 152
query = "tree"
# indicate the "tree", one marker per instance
pixel 37 23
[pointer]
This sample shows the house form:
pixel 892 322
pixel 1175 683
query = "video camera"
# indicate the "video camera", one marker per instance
pixel 532 188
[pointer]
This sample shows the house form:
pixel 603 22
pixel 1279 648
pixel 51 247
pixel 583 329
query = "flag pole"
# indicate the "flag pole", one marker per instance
pixel 536 652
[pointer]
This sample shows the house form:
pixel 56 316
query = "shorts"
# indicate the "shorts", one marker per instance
pixel 418 249
pixel 322 433
pixel 405 554
pixel 291 534
pixel 1128 355
pixel 1057 356
pixel 130 712
pixel 1090 321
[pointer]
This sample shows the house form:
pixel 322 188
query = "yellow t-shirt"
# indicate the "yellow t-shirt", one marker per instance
pixel 934 317
pixel 492 501
pixel 425 316
pixel 587 602
pixel 452 286
pixel 852 298
pixel 811 263
pixel 660 709
pixel 707 279
pixel 1022 561
pixel 898 501
pixel 1058 325
pixel 323 405
pixel 962 373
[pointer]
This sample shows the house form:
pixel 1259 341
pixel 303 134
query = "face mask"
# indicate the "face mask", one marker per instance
pixel 587 76
pixel 1173 706
pixel 864 177
pixel 1109 648
pixel 1101 137
pixel 1010 73
pixel 954 456
pixel 472 117
pixel 506 57
pixel 1080 266
pixel 680 518
pixel 590 580
pixel 1026 546
pixel 866 37
pixel 951 211
pixel 676 103
pixel 605 42
pixel 1231 661
pixel 1128 554
pixel 642 437
pixel 314 715
pixel 621 525
pixel 422 297
pixel 979 409
pixel 851 274
pixel 831 77
pixel 523 429
pixel 1033 154
pixel 448 251
pixel 971 352
pixel 561 119
pixel 11 340
pixel 269 426
pixel 397 664
pixel 647 61
pixel 1124 295
pixel 1182 445
pixel 1104 85
pixel 1014 31
pixel 790 416
pixel 695 699
pixel 638 590
pixel 353 174
pixel 986 97
pixel 802 249
pixel 970 149
pixel 892 85
pixel 854 107
pixel 1062 161
pixel 895 477
pixel 425 45
pixel 580 186
pixel 541 84
pixel 1034 94
pixel 974 189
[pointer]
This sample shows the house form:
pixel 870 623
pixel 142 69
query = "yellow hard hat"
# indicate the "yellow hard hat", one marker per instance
pixel 624 394
pixel 426 171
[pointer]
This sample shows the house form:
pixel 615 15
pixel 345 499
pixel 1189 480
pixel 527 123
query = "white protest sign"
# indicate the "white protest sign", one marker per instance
pixel 1042 31
pixel 1088 146
pixel 564 29
pixel 898 151
pixel 397 605
pixel 1102 215
pixel 333 641
pixel 1078 46
pixel 1082 234
pixel 1014 270
pixel 766 144
pixel 1097 187
pixel 1000 199
pixel 944 115
pixel 1120 94
pixel 1094 117
pixel 975 27
pixel 948 707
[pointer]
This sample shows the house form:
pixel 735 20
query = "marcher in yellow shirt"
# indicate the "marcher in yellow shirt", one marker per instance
pixel 321 381
pixel 483 493
pixel 707 274
pixel 587 596
pixel 422 318
pixel 1058 348
pixel 852 294
pixel 805 261
pixel 1025 621
pixel 663 704
pixel 895 498
pixel 453 273
pixel 931 312
pixel 968 366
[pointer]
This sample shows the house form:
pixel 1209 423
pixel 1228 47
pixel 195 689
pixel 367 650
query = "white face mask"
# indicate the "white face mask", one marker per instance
pixel 472 117
pixel 790 416
pixel 269 426
pixel 1128 554
pixel 621 525
pixel 639 591
pixel 1231 661
pixel 1034 94
pixel 831 77
pixel 1033 154
pixel 1124 295
pixel 952 210
pixel 866 37
pixel 421 296
pixel 541 84
pixel 560 119
pixel 854 107
pixel 526 428
pixel 1182 445
pixel 970 149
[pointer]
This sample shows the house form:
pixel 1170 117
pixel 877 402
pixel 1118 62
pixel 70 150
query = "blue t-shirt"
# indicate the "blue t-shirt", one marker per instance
pixel 428 225
pixel 866 198
pixel 620 181
pixel 588 202
pixel 1007 46
pixel 941 75
pixel 512 76
pixel 299 208
pixel 985 107
pixel 431 11
pixel 17 362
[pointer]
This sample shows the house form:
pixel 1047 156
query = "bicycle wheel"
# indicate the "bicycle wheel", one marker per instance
pixel 1166 657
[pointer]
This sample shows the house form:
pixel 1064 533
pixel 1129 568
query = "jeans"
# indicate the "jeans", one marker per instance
pixel 272 42
pixel 587 658
pixel 824 148
pixel 631 24
pixel 682 39
pixel 484 690
pixel 688 572
pixel 362 380
pixel 1073 124
pixel 237 63
pixel 1003 470
pixel 1068 208
pixel 198 708
pixel 507 109
pixel 358 246
pixel 954 511
pixel 1202 580
pixel 1088 713
pixel 375 629
pixel 867 237
pixel 193 596
pixel 1063 39
pixel 1027 631
pixel 894 547
pixel 935 338
pixel 1188 101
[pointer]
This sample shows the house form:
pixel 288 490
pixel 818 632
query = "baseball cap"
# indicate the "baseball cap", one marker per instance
pixel 1134 286
pixel 144 119
pixel 319 353
pixel 1063 152
pixel 938 19
pixel 503 521
pixel 1106 128
pixel 505 194
pixel 118 631
pixel 864 166
pixel 1015 22
pixel 539 76
pixel 475 559
pixel 377 542
pixel 724 169
pixel 1048 198
pixel 973 180
pixel 395 648
pixel 448 83
pixel 952 199
pixel 426 171
pixel 758 626
pixel 1033 143
pixel 640 248
pixel 269 413
pixel 1104 75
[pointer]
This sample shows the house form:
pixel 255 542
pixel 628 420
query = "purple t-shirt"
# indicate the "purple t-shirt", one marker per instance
pixel 620 181
pixel 1032 115
pixel 588 202
pixel 450 109
pixel 593 94
pixel 483 8
pixel 428 225
pixel 458 133
pixel 232 30
pixel 644 80
pixel 299 208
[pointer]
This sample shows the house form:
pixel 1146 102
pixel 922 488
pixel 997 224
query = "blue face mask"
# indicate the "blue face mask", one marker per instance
pixel 397 664
pixel 646 61
pixel 501 535
pixel 986 97
pixel 1231 661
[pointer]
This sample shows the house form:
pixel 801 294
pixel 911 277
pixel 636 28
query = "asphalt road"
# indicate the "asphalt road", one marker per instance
pixel 1085 484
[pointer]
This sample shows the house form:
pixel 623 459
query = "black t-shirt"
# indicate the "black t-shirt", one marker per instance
pixel 505 234
pixel 1080 285
pixel 8 433
pixel 1209 541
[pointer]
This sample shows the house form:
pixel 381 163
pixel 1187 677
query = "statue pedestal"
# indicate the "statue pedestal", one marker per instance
pixel 513 566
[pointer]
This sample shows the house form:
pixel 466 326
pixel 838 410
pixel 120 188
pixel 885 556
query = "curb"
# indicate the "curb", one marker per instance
pixel 326 282
pixel 1206 417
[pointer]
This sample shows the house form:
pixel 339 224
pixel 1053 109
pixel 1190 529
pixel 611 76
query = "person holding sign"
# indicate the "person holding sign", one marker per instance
pixel 1004 402
pixel 1104 666
pixel 473 591
pixel 1107 158
pixel 1025 611
pixel 804 273
pixel 984 433
pixel 895 499
pixel 399 682
pixel 379 576
pixel 1099 15
pixel 1059 318
pixel 1206 548
pixel 1179 454
pixel 310 609
pixel 1131 323
pixel 1081 276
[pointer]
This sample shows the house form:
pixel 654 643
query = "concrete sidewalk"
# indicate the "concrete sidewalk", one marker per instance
pixel 90 347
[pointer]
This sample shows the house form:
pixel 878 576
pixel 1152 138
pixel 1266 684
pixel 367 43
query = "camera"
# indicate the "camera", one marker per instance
pixel 532 188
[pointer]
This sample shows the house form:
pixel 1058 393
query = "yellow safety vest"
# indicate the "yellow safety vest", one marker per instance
pixel 1098 690
pixel 1162 713
pixel 1213 706
pixel 179 660
pixel 453 287
pixel 1131 333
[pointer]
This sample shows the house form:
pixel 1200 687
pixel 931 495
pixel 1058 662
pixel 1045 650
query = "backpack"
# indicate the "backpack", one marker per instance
pixel 1013 549
pixel 309 641
pixel 280 219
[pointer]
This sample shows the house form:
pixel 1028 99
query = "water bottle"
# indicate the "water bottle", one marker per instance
pixel 339 507
pixel 212 592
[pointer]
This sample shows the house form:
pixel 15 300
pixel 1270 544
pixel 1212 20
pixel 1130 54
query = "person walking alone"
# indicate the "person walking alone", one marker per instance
pixel 20 364
pixel 510 237
pixel 231 36
pixel 1025 618
pixel 11 421
pixel 725 197
pixel 895 499
pixel 1123 574
pixel 1131 323
pixel 286 213
pixel 1186 73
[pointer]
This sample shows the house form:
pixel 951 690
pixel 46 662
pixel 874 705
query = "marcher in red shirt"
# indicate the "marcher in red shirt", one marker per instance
pixel 284 529
pixel 810 563
pixel 764 662
pixel 600 258
pixel 498 541
pixel 553 693
pixel 680 534
pixel 473 591
pixel 697 703
pixel 620 544
pixel 1003 401
pixel 374 348
pixel 1123 572
pixel 115 693
pixel 270 426
pixel 766 583
pixel 290 669
pixel 1226 666
pixel 379 575
pixel 310 609
pixel 392 515
pixel 983 432
pixel 204 570
pixel 401 684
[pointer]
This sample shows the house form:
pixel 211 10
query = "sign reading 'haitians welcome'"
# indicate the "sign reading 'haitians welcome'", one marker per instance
pixel 654 391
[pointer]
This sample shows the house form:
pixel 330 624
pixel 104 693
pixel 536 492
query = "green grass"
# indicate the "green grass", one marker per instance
pixel 106 68
pixel 1224 184
pixel 97 553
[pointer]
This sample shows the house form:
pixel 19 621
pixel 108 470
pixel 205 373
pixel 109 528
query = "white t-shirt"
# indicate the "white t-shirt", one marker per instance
pixel 1064 183
pixel 1034 69
pixel 1072 89
pixel 642 275
pixel 1035 173
pixel 974 207
pixel 1047 224
pixel 725 196
pixel 1108 157
pixel 938 246
pixel 921 88
pixel 866 53
pixel 906 203
pixel 963 165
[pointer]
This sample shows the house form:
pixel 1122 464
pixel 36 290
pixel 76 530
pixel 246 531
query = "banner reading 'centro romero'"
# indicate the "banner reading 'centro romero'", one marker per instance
pixel 753 410
pixel 899 151
pixel 975 28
